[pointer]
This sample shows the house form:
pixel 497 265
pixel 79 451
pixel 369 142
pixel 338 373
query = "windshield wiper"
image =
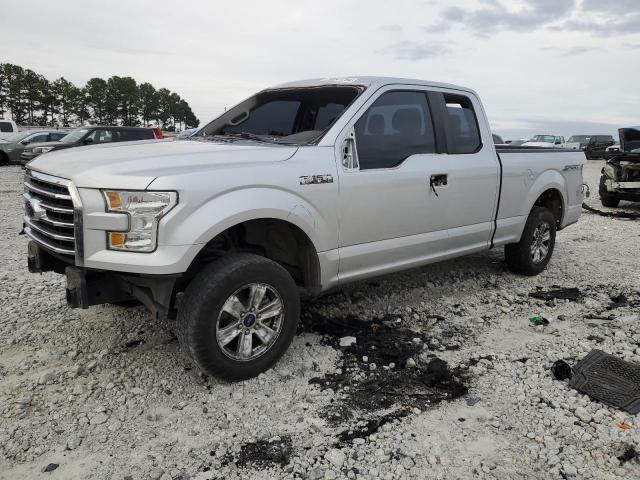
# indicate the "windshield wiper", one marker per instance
pixel 250 136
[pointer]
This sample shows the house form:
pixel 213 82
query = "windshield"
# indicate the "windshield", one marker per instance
pixel 16 137
pixel 74 136
pixel 543 138
pixel 291 115
pixel 579 139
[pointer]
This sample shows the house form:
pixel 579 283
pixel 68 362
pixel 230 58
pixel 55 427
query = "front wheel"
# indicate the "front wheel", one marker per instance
pixel 532 253
pixel 238 316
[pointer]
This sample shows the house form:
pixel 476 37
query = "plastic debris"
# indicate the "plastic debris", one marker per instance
pixel 561 370
pixel 347 341
pixel 538 320
pixel 624 426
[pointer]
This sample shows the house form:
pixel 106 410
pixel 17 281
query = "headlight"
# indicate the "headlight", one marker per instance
pixel 145 209
pixel 610 171
pixel 42 149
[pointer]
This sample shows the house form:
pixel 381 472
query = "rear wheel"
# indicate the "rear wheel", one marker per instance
pixel 606 198
pixel 4 158
pixel 238 316
pixel 532 253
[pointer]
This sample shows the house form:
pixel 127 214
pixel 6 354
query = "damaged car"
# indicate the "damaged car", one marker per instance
pixel 621 174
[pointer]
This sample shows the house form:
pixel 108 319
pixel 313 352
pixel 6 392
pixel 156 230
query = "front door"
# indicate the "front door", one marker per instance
pixel 390 216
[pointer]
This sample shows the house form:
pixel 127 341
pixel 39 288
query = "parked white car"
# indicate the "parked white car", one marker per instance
pixel 547 141
pixel 300 188
pixel 7 127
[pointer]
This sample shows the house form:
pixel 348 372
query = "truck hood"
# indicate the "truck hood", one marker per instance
pixel 134 165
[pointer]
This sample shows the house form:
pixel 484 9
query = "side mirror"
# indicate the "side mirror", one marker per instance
pixel 25 142
pixel 88 141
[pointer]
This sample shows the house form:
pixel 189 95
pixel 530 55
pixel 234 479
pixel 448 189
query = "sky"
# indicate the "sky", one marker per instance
pixel 540 66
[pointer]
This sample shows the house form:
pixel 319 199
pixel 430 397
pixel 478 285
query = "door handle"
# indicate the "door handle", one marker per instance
pixel 438 180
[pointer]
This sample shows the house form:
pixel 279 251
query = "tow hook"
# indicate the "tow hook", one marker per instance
pixel 586 191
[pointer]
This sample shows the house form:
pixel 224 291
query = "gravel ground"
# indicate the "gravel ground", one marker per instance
pixel 447 379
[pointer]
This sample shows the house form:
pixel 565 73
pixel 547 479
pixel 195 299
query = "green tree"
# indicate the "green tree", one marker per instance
pixel 15 101
pixel 4 87
pixel 48 103
pixel 32 98
pixel 32 94
pixel 67 96
pixel 96 93
pixel 148 102
pixel 163 114
pixel 124 92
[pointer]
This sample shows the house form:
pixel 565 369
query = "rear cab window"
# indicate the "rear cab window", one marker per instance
pixel 462 125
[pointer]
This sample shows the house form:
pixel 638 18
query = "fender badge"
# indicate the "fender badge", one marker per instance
pixel 316 179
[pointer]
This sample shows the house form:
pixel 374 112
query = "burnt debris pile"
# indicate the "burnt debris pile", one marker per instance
pixel 387 367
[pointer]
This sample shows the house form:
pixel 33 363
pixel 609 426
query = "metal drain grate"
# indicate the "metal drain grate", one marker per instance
pixel 608 379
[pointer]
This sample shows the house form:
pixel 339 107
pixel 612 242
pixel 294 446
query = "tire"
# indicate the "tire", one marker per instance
pixel 606 198
pixel 202 320
pixel 4 159
pixel 520 257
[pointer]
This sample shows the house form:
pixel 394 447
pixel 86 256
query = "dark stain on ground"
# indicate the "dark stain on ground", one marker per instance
pixel 265 453
pixel 133 343
pixel 377 373
pixel 560 293
pixel 629 452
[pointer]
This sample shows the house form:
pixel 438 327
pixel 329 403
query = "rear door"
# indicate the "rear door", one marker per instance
pixel 469 198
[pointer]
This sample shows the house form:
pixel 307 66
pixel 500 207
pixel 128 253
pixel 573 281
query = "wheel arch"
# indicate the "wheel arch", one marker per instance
pixel 273 237
pixel 548 191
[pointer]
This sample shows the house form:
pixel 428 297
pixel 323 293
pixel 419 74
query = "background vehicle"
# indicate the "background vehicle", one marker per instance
pixel 597 146
pixel 578 142
pixel 186 133
pixel 12 146
pixel 7 127
pixel 548 141
pixel 91 136
pixel 516 143
pixel 621 174
pixel 224 229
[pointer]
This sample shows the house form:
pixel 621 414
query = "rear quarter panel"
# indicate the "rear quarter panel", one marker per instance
pixel 526 176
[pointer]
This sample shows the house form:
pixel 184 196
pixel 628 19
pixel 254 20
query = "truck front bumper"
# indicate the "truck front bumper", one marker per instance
pixel 87 287
pixel 624 190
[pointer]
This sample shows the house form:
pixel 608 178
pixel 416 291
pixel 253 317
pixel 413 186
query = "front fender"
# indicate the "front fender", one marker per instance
pixel 202 224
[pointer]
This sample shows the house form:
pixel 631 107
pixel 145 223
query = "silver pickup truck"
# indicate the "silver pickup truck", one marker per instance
pixel 298 189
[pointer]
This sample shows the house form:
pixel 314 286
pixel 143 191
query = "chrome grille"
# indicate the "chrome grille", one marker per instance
pixel 49 212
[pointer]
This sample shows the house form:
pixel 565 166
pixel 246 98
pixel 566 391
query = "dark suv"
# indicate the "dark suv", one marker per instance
pixel 597 146
pixel 92 135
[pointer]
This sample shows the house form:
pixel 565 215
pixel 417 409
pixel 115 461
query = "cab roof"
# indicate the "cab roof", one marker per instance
pixel 367 82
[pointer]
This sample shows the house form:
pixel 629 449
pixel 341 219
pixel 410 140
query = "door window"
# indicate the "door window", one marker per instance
pixel 464 136
pixel 56 136
pixel 397 125
pixel 41 137
pixel 101 136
